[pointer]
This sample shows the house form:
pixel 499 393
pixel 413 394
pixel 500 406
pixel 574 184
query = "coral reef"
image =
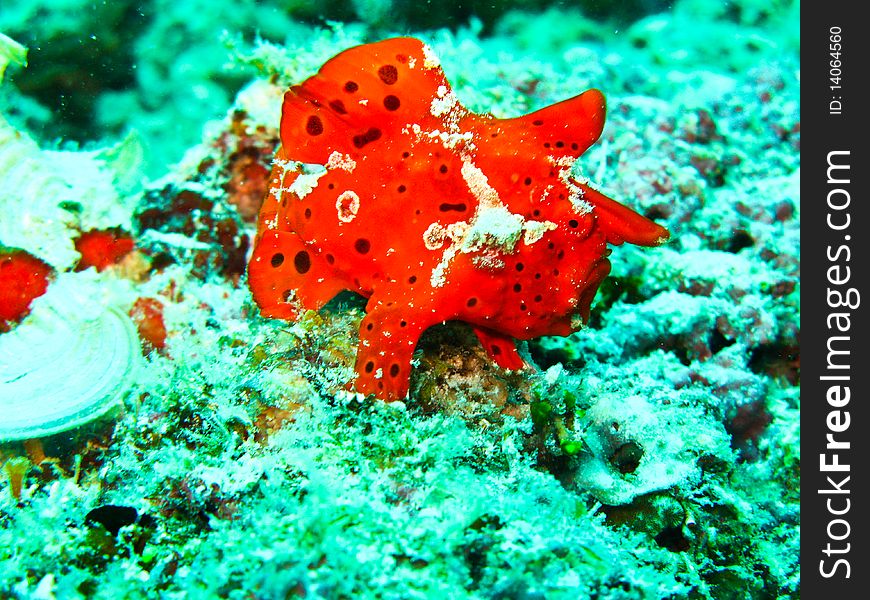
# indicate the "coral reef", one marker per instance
pixel 652 454
pixel 74 354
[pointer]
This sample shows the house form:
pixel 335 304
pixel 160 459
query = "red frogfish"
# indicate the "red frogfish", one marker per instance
pixel 384 184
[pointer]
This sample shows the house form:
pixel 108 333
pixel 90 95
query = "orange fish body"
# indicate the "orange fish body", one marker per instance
pixel 387 186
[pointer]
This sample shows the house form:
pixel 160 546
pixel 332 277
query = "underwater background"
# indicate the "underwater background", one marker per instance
pixel 160 439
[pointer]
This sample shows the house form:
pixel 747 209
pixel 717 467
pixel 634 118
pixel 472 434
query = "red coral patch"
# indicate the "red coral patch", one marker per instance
pixel 23 277
pixel 102 248
pixel 147 313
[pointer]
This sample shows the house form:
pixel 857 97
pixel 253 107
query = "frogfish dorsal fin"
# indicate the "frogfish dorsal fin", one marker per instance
pixel 571 126
pixel 364 95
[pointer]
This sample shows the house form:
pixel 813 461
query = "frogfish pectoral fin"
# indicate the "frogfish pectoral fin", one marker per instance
pixel 286 277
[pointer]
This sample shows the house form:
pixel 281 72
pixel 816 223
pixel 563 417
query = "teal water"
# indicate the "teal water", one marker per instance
pixel 160 438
